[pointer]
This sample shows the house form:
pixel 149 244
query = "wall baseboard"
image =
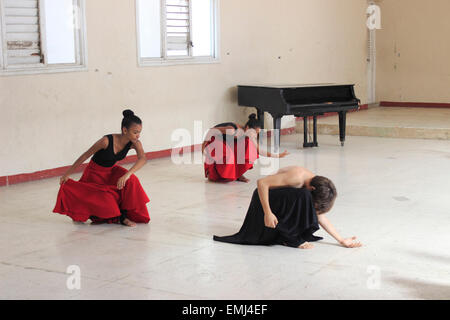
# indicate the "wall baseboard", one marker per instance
pixel 50 173
pixel 414 104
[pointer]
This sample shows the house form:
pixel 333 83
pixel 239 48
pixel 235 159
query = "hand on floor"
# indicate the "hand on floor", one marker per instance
pixel 350 243
pixel 283 154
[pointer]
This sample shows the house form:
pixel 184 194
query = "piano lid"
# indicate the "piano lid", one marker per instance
pixel 302 85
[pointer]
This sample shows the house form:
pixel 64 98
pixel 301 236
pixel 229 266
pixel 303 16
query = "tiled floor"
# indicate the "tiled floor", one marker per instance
pixel 392 194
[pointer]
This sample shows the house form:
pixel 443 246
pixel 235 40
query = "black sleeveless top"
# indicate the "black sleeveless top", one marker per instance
pixel 106 157
pixel 227 124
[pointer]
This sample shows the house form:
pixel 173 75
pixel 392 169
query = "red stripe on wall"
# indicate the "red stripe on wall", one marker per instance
pixel 284 131
pixel 26 177
pixel 50 173
pixel 414 104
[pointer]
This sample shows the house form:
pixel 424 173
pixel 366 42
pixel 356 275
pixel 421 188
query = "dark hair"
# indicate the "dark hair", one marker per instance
pixel 324 193
pixel 129 118
pixel 252 122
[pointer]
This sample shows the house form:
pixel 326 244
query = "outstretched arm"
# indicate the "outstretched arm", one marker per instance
pixel 100 144
pixel 328 227
pixel 269 154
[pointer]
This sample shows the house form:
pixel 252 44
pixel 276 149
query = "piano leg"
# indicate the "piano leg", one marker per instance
pixel 307 144
pixel 260 115
pixel 276 133
pixel 315 132
pixel 342 124
pixel 305 132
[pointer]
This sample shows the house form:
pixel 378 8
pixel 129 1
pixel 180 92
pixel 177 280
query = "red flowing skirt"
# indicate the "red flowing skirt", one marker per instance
pixel 224 162
pixel 96 196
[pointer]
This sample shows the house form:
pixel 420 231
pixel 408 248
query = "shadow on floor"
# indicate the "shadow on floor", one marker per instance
pixel 423 290
pixel 444 259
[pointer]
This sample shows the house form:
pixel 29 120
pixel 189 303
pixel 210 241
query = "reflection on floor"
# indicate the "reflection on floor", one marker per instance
pixel 392 194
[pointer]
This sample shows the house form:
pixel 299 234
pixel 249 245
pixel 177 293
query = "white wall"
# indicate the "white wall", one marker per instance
pixel 413 47
pixel 48 120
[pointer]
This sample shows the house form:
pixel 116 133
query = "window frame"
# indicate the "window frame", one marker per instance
pixel 42 68
pixel 179 60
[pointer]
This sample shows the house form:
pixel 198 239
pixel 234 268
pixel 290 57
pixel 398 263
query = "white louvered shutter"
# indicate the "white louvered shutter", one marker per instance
pixel 22 32
pixel 178 24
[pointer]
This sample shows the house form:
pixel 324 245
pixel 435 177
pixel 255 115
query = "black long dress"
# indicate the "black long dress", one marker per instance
pixel 297 220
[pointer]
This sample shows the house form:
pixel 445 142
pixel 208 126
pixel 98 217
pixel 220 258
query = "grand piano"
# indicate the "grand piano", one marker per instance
pixel 301 101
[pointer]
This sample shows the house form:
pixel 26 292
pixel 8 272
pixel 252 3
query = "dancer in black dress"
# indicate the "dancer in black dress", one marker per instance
pixel 287 208
pixel 295 213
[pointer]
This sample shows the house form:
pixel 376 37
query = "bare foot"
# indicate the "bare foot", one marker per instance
pixel 129 223
pixel 306 245
pixel 243 179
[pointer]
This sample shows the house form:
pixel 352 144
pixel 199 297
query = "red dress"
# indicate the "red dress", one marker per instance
pixel 96 196
pixel 229 161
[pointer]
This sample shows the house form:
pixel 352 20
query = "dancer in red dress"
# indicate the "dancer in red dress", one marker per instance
pixel 106 192
pixel 230 150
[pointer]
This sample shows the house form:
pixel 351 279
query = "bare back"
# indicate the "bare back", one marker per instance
pixel 292 176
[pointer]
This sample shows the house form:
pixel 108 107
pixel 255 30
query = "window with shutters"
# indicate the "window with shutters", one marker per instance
pixel 42 36
pixel 177 31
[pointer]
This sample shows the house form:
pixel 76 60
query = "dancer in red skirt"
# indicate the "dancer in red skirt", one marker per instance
pixel 107 193
pixel 230 150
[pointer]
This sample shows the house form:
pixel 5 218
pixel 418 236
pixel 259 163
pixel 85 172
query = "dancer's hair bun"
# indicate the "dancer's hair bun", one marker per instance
pixel 252 123
pixel 129 118
pixel 127 113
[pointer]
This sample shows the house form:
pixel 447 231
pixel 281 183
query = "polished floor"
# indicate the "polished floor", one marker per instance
pixel 392 195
